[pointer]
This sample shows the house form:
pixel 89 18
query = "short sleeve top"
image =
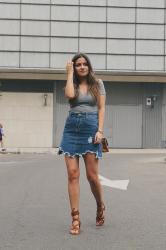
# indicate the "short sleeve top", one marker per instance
pixel 86 102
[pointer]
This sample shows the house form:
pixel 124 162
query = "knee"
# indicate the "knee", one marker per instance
pixel 92 178
pixel 73 176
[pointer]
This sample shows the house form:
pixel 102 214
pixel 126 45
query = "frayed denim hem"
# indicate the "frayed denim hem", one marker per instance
pixel 61 151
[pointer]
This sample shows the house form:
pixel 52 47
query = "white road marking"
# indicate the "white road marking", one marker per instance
pixel 120 184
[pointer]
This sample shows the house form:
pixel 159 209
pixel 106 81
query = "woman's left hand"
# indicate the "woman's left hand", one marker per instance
pixel 98 137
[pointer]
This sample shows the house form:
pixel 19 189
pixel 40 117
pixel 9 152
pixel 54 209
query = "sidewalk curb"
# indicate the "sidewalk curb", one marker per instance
pixel 55 151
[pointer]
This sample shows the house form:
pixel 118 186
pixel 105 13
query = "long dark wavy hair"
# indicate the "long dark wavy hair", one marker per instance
pixel 93 83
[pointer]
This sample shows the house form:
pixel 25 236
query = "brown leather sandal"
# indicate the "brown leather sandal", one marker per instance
pixel 75 227
pixel 100 215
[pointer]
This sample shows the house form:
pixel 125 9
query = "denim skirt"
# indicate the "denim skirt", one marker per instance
pixel 79 133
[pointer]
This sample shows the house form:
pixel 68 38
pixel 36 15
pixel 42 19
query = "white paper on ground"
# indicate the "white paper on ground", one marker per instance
pixel 120 184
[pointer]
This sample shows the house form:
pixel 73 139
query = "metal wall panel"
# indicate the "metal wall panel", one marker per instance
pixel 35 44
pixel 126 3
pixel 121 46
pixel 93 14
pixel 64 45
pixel 127 126
pixel 35 28
pixel 36 1
pixel 65 2
pixel 121 15
pixel 151 3
pixel 59 60
pixel 92 30
pixel 70 13
pixel 150 47
pixel 60 112
pixel 93 2
pixel 8 59
pixel 7 12
pixel 64 29
pixel 164 117
pixel 123 62
pixel 150 63
pixel 35 60
pixel 152 116
pixel 150 31
pixel 99 61
pixel 9 43
pixel 150 15
pixel 163 141
pixel 87 45
pixel 9 27
pixel 35 12
pixel 122 30
pixel 123 118
pixel 9 1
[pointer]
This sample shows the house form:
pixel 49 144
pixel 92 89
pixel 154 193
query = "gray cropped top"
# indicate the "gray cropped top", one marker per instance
pixel 86 102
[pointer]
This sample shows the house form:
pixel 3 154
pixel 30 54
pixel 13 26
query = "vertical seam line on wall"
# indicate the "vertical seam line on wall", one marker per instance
pixel 20 38
pixel 106 45
pixel 164 32
pixel 50 39
pixel 143 113
pixel 135 61
pixel 54 130
pixel 79 25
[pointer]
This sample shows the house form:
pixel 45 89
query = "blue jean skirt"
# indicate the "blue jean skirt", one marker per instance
pixel 78 135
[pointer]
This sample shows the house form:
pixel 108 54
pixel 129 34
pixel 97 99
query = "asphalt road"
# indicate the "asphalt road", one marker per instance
pixel 35 213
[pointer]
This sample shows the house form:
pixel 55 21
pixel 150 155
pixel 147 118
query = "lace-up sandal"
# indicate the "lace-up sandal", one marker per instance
pixel 100 215
pixel 76 224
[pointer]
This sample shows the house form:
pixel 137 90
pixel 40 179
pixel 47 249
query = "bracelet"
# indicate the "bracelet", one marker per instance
pixel 100 131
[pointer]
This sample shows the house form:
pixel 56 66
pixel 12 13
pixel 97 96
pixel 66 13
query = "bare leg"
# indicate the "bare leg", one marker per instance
pixel 92 172
pixel 74 191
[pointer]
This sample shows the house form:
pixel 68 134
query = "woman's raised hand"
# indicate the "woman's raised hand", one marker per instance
pixel 69 67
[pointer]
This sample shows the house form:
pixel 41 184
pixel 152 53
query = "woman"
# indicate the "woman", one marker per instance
pixel 83 133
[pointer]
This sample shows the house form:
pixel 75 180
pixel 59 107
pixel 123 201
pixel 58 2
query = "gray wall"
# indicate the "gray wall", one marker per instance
pixel 117 34
pixel 164 117
pixel 123 118
pixel 152 116
pixel 129 122
pixel 60 111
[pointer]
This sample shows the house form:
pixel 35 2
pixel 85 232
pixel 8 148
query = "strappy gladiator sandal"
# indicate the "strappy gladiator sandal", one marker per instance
pixel 100 215
pixel 75 227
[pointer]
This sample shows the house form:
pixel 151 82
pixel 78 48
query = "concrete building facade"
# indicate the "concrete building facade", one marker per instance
pixel 125 41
